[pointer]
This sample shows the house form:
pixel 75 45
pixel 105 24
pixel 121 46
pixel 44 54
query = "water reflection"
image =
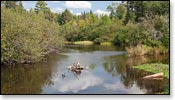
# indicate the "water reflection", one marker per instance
pixel 28 79
pixel 24 80
pixel 70 84
pixel 122 66
pixel 110 71
pixel 116 86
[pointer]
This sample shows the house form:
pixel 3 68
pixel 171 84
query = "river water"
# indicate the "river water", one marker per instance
pixel 109 72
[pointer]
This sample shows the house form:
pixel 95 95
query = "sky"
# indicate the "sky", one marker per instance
pixel 76 7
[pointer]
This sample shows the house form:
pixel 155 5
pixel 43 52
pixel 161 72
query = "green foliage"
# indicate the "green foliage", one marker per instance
pixel 27 37
pixel 121 11
pixel 121 38
pixel 161 22
pixel 13 5
pixel 150 42
pixel 65 17
pixel 112 9
pixel 165 40
pixel 41 6
pixel 97 41
pixel 137 9
pixel 10 4
pixel 105 20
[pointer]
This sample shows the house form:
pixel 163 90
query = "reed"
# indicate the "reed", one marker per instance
pixel 141 50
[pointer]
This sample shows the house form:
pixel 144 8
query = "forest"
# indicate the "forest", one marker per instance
pixel 142 27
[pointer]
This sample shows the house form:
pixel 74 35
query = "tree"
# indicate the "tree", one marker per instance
pixel 93 18
pixel 84 15
pixel 66 16
pixel 20 7
pixel 152 9
pixel 112 8
pixel 60 19
pixel 121 11
pixel 14 5
pixel 10 4
pixel 134 11
pixel 138 9
pixel 105 20
pixel 41 6
pixel 20 4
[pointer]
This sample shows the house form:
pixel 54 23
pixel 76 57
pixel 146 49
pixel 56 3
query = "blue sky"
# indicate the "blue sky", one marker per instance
pixel 76 7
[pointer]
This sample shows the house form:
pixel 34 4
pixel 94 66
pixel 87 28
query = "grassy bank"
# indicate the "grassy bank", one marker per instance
pixel 106 43
pixel 155 68
pixel 83 43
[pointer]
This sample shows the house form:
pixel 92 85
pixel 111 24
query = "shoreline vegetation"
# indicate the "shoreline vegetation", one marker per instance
pixel 141 50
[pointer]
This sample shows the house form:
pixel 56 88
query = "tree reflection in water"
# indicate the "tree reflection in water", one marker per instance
pixel 24 80
pixel 122 65
pixel 27 79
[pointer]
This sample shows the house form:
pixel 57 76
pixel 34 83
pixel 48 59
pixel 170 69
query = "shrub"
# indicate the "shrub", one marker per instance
pixel 27 36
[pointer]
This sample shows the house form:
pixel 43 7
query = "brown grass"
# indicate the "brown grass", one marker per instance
pixel 141 50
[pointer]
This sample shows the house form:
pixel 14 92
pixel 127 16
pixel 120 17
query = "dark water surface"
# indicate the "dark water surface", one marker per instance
pixel 110 72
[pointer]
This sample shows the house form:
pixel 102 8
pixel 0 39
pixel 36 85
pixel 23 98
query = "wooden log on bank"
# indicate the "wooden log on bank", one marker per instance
pixel 157 76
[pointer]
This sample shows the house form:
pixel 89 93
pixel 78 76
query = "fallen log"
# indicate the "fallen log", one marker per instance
pixel 154 76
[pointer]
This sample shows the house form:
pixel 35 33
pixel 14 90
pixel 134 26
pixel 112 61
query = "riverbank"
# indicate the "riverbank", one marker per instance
pixel 155 68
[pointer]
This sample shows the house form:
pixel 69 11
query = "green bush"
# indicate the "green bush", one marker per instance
pixel 153 43
pixel 97 41
pixel 27 36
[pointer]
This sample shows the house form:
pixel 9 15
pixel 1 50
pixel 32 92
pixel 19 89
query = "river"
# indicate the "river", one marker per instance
pixel 109 72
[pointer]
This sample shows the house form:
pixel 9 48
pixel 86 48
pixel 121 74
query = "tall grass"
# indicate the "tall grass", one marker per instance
pixel 141 50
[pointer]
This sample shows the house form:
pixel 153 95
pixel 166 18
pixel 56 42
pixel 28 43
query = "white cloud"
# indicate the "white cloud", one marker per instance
pixel 74 85
pixel 28 9
pixel 57 10
pixel 78 4
pixel 77 14
pixel 100 12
